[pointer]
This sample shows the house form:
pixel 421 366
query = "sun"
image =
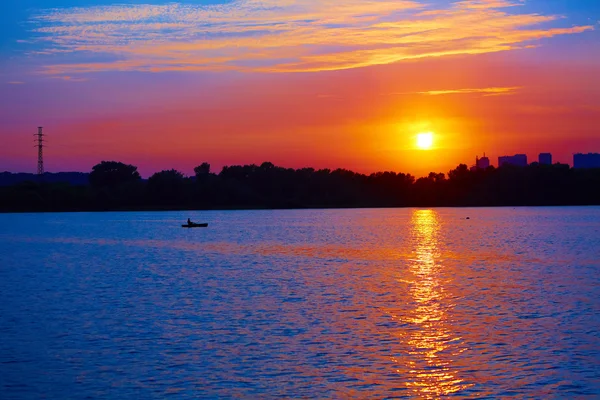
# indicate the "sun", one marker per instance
pixel 425 140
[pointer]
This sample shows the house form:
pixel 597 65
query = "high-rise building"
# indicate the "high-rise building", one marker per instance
pixel 483 162
pixel 520 160
pixel 545 159
pixel 590 160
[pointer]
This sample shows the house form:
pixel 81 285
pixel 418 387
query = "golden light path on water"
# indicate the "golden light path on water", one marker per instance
pixel 432 345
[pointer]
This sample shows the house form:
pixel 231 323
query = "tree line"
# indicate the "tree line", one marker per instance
pixel 118 186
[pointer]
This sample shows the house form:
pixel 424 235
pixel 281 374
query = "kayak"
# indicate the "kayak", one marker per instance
pixel 193 225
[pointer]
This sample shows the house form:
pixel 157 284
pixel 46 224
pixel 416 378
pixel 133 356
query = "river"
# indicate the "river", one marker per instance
pixel 372 303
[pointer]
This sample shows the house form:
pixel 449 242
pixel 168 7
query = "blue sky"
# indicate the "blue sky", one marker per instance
pixel 15 13
pixel 65 30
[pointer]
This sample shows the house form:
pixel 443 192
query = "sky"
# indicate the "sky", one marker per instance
pixel 320 83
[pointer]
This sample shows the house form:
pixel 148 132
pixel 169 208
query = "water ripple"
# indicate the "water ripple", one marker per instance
pixel 303 304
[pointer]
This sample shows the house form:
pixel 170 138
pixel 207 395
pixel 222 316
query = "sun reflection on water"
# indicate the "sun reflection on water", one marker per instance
pixel 432 344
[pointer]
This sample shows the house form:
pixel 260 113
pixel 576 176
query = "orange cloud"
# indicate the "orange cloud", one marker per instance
pixel 282 36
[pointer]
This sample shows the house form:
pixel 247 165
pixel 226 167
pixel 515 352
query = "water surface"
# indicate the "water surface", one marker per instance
pixel 313 303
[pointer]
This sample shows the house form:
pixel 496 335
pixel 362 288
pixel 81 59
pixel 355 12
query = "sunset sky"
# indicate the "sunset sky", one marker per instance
pixel 321 83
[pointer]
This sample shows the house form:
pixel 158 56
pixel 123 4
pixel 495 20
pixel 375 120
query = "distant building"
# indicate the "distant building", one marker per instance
pixel 545 159
pixel 520 160
pixel 481 163
pixel 590 160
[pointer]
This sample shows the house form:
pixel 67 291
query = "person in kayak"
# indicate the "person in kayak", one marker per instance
pixel 189 222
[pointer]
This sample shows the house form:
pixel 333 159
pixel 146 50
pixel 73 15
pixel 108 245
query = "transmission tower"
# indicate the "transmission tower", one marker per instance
pixel 40 146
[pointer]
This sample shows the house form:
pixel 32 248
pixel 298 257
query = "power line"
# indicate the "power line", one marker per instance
pixel 40 145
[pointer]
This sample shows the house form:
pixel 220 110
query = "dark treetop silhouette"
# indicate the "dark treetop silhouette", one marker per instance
pixel 117 186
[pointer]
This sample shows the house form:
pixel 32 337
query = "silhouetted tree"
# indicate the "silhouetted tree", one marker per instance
pixel 166 187
pixel 202 170
pixel 116 186
pixel 112 173
pixel 266 166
